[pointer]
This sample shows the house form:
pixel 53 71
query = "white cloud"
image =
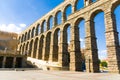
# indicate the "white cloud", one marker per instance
pixel 82 40
pixel 103 51
pixel 22 25
pixel 102 54
pixel 12 27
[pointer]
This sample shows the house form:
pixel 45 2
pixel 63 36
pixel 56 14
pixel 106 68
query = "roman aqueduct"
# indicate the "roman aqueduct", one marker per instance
pixel 42 40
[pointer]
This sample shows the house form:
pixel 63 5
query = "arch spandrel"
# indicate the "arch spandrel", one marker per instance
pixel 115 3
pixel 58 14
pixel 65 26
pixel 78 20
pixel 93 13
pixel 50 22
pixel 66 13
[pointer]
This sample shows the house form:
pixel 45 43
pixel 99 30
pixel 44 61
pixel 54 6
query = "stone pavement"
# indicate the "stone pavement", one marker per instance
pixel 55 75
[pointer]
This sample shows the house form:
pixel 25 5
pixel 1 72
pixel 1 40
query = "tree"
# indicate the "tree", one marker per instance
pixel 103 63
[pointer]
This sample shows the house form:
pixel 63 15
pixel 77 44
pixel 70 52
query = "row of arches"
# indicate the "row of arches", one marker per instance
pixel 53 20
pixel 62 40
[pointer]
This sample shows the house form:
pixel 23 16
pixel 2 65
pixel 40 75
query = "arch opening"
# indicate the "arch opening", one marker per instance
pixel 41 43
pixel 22 39
pixel 27 49
pixel 30 48
pixel 68 11
pixel 29 34
pixel 38 29
pixel 117 20
pixel 94 0
pixel 20 49
pixel 25 36
pixel 58 18
pixel 66 44
pixel 33 32
pixel 23 49
pixel 35 48
pixel 99 33
pixel 56 45
pixel 79 4
pixel 47 48
pixel 50 22
pixel 44 27
pixel 80 24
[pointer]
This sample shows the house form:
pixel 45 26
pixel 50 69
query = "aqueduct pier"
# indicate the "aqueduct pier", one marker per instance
pixel 41 41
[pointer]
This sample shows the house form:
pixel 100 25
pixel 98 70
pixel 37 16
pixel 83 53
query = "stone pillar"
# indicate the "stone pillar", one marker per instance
pixel 75 55
pixel 48 24
pixel 36 30
pixel 73 7
pixel 91 55
pixel 30 32
pixel 112 42
pixel 37 52
pixel 87 2
pixel 4 62
pixel 63 17
pixel 32 52
pixel 44 49
pixel 51 48
pixel 28 51
pixel 14 62
pixel 63 46
pixel 54 20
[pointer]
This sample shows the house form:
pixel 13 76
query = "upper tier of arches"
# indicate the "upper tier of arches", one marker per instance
pixel 56 17
pixel 59 16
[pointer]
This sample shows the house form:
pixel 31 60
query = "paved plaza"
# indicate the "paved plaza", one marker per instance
pixel 55 75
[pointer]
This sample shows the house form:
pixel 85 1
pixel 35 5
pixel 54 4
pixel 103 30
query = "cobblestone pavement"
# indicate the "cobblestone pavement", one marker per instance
pixel 55 75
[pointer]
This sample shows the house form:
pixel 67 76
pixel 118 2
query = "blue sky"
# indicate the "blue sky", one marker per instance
pixel 16 15
pixel 22 13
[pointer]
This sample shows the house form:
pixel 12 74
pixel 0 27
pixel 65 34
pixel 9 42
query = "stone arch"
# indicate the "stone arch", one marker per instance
pixel 41 44
pixel 79 4
pixel 33 32
pixel 22 38
pixel 25 36
pixel 30 48
pixel 67 11
pixel 93 0
pixel 98 32
pixel 94 13
pixel 78 21
pixel 20 49
pixel 43 26
pixel 27 48
pixel 64 31
pixel 80 36
pixel 55 43
pixel 29 34
pixel 19 39
pixel 66 39
pixel 35 47
pixel 58 17
pixel 116 19
pixel 23 49
pixel 114 5
pixel 38 29
pixel 47 48
pixel 50 22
